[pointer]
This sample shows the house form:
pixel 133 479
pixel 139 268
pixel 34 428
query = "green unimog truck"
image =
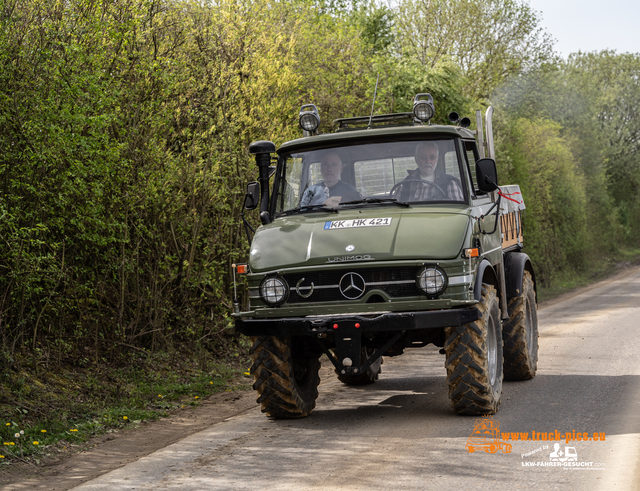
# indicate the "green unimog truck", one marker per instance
pixel 390 233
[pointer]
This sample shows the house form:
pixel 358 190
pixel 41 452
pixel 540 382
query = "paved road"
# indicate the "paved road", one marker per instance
pixel 401 434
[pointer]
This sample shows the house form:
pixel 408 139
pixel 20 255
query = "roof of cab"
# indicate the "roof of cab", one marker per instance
pixel 375 134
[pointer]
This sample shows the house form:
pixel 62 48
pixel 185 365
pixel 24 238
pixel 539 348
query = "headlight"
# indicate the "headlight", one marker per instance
pixel 274 291
pixel 432 280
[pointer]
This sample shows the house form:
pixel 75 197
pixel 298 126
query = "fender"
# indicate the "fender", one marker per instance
pixel 515 264
pixel 485 274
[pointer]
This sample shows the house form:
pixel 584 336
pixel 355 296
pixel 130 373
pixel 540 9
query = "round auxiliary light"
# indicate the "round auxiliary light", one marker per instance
pixel 274 291
pixel 423 111
pixel 423 108
pixel 432 280
pixel 309 118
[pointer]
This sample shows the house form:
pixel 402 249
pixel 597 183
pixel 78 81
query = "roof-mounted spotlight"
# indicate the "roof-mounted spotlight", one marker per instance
pixel 423 109
pixel 465 122
pixel 309 119
pixel 454 117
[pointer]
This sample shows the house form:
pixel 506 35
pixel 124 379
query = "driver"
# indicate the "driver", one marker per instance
pixel 443 187
pixel 331 190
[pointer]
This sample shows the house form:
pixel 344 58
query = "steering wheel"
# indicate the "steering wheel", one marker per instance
pixel 395 188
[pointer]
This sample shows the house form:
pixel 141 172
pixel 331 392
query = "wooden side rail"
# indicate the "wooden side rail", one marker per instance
pixel 511 227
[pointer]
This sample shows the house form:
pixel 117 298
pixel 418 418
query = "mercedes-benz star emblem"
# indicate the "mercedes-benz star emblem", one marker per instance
pixel 350 248
pixel 352 286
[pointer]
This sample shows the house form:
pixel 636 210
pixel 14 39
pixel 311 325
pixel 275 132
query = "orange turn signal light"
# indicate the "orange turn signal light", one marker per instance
pixel 471 252
pixel 242 268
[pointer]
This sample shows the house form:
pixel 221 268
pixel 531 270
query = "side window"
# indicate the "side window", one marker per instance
pixel 451 164
pixel 472 157
pixel 314 173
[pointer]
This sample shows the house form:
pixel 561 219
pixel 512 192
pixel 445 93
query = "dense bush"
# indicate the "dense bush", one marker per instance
pixel 124 126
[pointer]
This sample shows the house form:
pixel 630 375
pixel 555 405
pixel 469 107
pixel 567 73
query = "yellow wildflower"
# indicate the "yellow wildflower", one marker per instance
pixel 124 417
pixel 73 430
pixel 211 383
pixel 196 397
pixel 1 456
pixel 12 443
pixel 43 431
pixel 36 443
pixel 8 424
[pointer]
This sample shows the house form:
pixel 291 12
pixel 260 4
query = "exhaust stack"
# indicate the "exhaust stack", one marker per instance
pixel 488 117
pixel 486 149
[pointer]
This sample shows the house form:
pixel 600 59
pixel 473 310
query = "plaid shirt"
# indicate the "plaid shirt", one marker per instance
pixel 415 191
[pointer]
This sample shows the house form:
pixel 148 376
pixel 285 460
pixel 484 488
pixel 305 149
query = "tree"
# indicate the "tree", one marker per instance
pixel 612 82
pixel 489 40
pixel 534 155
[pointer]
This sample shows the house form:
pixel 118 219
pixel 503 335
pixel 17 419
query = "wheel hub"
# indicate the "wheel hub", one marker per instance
pixel 492 351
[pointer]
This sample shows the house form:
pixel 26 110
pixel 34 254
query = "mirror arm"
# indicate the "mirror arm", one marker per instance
pixel 247 226
pixel 497 214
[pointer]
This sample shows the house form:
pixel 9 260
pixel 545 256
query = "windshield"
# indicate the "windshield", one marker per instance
pixel 426 171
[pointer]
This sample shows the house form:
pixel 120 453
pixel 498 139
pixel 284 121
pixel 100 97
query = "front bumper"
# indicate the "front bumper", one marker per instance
pixel 383 321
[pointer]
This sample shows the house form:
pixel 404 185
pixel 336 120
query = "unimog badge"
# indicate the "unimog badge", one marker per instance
pixel 342 259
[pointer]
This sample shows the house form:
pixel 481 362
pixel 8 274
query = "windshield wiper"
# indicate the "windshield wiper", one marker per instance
pixel 320 207
pixel 377 200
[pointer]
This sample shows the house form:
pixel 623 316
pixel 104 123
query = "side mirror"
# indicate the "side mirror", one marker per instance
pixel 487 175
pixel 252 198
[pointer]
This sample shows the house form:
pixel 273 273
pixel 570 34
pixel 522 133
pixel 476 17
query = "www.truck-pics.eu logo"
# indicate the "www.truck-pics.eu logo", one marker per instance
pixel 486 436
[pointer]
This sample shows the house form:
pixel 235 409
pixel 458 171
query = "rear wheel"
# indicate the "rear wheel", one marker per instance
pixel 369 376
pixel 474 359
pixel 286 377
pixel 520 334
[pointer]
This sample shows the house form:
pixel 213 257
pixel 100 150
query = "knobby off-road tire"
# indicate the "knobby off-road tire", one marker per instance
pixel 474 359
pixel 285 379
pixel 369 376
pixel 520 334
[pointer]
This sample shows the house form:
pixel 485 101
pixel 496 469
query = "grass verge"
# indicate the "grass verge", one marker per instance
pixel 45 411
pixel 568 281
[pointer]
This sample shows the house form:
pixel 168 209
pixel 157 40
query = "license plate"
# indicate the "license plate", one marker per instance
pixel 357 223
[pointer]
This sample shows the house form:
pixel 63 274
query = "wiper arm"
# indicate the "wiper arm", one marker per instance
pixel 377 200
pixel 320 207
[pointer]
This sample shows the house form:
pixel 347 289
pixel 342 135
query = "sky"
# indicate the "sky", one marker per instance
pixel 591 25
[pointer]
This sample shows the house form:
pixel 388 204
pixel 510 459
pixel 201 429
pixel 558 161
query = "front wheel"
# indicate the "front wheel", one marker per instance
pixel 286 377
pixel 474 359
pixel 520 334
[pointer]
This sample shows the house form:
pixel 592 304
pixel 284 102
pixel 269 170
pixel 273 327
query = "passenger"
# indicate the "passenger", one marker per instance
pixel 331 190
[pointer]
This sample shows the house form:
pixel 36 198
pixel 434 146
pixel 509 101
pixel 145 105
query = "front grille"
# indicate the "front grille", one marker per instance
pixel 395 282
